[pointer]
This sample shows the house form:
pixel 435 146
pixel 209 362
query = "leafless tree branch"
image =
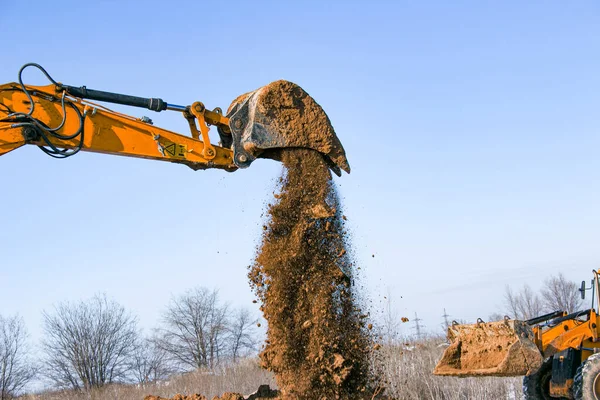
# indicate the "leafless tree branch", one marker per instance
pixel 149 362
pixel 242 338
pixel 560 294
pixel 199 332
pixel 88 344
pixel 524 304
pixel 16 369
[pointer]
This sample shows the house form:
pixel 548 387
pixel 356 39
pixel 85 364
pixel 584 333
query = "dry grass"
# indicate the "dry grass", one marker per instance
pixel 406 368
pixel 244 377
pixel 408 371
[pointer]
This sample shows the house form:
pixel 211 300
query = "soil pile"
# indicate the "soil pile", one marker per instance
pixel 264 392
pixel 225 396
pixel 317 344
pixel 177 397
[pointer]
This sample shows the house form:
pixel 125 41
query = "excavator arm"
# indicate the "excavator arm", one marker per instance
pixel 91 127
pixel 62 121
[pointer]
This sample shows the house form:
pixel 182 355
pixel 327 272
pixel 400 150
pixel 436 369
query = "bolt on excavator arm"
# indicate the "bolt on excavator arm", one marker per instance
pixel 62 121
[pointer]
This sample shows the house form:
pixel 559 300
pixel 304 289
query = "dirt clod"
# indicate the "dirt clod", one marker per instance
pixel 264 392
pixel 229 396
pixel 177 397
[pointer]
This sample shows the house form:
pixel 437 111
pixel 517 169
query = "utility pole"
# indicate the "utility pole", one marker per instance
pixel 417 326
pixel 445 324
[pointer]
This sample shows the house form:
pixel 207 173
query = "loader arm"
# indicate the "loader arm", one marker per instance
pixel 62 120
pixel 570 333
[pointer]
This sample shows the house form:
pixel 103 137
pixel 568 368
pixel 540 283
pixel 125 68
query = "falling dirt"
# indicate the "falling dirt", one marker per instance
pixel 317 344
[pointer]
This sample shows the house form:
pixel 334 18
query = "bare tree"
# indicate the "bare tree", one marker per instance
pixel 524 304
pixel 88 344
pixel 149 362
pixel 241 333
pixel 16 369
pixel 560 294
pixel 194 329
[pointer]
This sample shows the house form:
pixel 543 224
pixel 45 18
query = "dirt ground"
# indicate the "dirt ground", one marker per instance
pixel 264 392
pixel 225 396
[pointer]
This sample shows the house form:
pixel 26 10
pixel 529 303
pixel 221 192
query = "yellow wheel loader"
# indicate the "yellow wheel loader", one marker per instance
pixel 61 120
pixel 558 353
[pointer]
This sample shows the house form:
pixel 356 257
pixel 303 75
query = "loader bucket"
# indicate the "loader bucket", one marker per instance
pixel 282 115
pixel 503 348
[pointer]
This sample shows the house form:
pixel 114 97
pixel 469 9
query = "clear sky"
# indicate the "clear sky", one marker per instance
pixel 472 129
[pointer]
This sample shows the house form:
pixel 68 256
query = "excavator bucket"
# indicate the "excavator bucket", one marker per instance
pixel 503 348
pixel 282 115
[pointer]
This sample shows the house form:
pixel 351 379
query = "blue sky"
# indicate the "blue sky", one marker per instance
pixel 471 128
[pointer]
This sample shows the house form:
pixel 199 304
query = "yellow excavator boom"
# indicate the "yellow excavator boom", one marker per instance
pixel 91 127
